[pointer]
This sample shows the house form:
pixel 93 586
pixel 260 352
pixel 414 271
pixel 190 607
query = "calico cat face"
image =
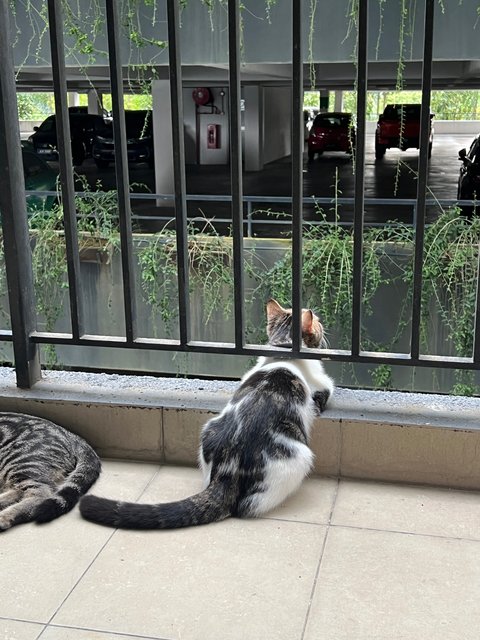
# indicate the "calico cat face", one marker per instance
pixel 279 326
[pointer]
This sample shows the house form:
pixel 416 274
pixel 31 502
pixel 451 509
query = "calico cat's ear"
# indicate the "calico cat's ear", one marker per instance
pixel 307 321
pixel 274 309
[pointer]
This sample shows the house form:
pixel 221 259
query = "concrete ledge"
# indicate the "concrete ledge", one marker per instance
pixel 399 437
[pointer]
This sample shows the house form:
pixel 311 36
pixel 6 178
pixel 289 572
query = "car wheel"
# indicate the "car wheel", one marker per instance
pixel 311 155
pixel 464 193
pixel 101 164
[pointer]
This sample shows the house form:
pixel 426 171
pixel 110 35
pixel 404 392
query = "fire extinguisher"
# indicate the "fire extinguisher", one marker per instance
pixel 213 136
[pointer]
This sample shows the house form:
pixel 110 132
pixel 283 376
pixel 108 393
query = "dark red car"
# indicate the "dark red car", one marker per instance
pixel 331 132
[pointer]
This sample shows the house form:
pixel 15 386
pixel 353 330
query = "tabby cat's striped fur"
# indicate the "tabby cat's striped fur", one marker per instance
pixel 255 453
pixel 44 469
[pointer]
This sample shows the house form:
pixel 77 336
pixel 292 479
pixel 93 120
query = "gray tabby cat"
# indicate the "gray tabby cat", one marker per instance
pixel 44 469
pixel 255 453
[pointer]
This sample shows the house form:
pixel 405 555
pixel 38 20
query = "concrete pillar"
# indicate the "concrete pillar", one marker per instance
pixel 253 139
pixel 73 99
pixel 338 101
pixel 95 102
pixel 190 127
pixel 162 139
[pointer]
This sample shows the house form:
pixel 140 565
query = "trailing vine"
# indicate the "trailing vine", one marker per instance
pixel 448 295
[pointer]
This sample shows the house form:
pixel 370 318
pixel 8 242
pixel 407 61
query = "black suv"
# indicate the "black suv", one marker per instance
pixel 469 179
pixel 83 128
pixel 139 130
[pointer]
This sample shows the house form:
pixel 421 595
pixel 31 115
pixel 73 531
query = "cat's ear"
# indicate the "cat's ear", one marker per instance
pixel 274 309
pixel 307 321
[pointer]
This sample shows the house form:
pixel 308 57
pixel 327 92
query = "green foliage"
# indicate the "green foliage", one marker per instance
pixel 448 296
pixel 382 377
pixel 97 225
pixel 35 106
pixel 210 273
pixel 327 274
pixel 446 105
pixel 157 260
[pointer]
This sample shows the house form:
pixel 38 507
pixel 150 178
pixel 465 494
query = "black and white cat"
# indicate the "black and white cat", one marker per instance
pixel 255 453
pixel 44 469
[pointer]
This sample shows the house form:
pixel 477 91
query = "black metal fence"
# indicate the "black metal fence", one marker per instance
pixel 25 336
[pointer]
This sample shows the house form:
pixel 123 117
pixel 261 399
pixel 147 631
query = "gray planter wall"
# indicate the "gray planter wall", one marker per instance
pixel 103 297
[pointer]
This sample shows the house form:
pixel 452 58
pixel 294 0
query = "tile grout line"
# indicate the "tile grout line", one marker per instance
pixel 340 449
pixel 21 620
pixel 94 558
pixel 103 631
pixel 317 572
pixel 404 533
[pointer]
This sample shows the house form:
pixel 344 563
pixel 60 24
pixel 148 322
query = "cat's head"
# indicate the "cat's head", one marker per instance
pixel 279 326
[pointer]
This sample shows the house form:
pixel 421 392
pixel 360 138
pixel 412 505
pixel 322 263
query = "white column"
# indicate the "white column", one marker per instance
pixel 73 99
pixel 338 101
pixel 94 98
pixel 162 139
pixel 253 135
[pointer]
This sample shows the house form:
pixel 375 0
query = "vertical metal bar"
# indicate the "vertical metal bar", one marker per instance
pixel 422 179
pixel 65 162
pixel 476 331
pixel 236 166
pixel 297 171
pixel 249 219
pixel 121 168
pixel 173 19
pixel 18 259
pixel 358 222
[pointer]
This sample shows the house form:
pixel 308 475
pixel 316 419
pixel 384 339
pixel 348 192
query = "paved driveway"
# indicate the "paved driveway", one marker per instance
pixel 393 177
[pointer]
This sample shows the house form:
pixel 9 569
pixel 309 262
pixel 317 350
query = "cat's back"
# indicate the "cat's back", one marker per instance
pixel 21 425
pixel 44 469
pixel 39 438
pixel 277 381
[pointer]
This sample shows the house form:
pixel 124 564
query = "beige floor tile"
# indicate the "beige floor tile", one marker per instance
pixel 173 483
pixel 64 633
pixel 48 560
pixel 424 510
pixel 231 580
pixel 124 480
pixel 376 585
pixel 14 630
pixel 312 503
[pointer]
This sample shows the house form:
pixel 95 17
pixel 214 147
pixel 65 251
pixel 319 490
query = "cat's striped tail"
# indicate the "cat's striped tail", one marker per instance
pixel 211 505
pixel 73 487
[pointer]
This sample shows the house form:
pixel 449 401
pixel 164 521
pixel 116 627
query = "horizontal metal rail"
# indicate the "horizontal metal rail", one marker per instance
pixel 199 346
pixel 250 220
pixel 192 197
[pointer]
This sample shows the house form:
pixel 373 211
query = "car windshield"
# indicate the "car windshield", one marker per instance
pixel 474 151
pixel 332 121
pixel 48 124
pixel 410 111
